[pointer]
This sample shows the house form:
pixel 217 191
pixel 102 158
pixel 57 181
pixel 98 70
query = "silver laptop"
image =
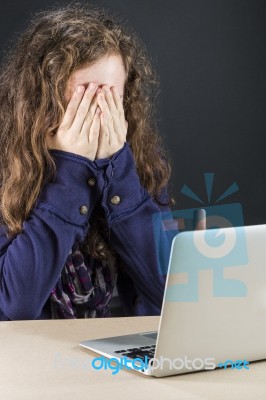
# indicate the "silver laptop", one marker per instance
pixel 214 308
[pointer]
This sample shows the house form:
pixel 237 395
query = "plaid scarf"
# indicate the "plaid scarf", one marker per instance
pixel 84 288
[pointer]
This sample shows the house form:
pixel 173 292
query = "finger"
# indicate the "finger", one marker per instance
pixel 90 115
pixel 118 100
pixel 119 104
pixel 103 104
pixel 116 125
pixel 95 129
pixel 103 137
pixel 110 100
pixel 107 116
pixel 72 107
pixel 84 107
pixel 109 120
pixel 113 135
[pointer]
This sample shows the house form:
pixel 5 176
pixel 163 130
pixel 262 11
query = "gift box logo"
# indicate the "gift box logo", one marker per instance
pixel 212 249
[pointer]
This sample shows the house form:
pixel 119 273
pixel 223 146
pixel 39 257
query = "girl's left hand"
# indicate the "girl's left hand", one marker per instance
pixel 113 129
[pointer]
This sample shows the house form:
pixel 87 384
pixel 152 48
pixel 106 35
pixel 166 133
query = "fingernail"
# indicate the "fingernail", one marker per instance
pixel 80 88
pixel 92 86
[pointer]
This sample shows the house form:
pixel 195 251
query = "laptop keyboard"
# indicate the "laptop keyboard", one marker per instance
pixel 138 352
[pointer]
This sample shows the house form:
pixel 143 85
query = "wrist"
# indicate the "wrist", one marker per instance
pixel 75 189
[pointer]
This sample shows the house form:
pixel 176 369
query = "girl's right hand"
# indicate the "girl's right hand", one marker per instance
pixel 79 130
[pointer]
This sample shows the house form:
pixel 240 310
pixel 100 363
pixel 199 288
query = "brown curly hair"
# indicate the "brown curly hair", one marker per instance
pixel 33 79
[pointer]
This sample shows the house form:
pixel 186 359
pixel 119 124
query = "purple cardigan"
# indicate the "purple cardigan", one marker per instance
pixel 31 262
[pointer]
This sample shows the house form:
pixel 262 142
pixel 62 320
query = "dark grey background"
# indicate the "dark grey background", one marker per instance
pixel 211 59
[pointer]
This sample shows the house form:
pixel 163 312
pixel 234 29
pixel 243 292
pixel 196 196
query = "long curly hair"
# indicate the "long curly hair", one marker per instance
pixel 33 78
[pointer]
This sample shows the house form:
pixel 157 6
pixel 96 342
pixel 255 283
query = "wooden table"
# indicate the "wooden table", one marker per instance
pixel 43 360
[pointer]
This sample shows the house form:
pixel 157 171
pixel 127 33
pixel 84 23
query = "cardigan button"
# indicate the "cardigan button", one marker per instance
pixel 83 210
pixel 115 200
pixel 91 181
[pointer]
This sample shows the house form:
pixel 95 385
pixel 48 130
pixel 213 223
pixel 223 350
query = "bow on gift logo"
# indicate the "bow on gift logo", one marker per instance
pixel 212 249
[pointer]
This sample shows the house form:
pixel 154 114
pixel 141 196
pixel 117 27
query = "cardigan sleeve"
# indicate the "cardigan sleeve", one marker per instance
pixel 136 232
pixel 31 262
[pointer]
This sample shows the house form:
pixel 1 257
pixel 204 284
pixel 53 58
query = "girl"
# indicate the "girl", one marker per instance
pixel 82 171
